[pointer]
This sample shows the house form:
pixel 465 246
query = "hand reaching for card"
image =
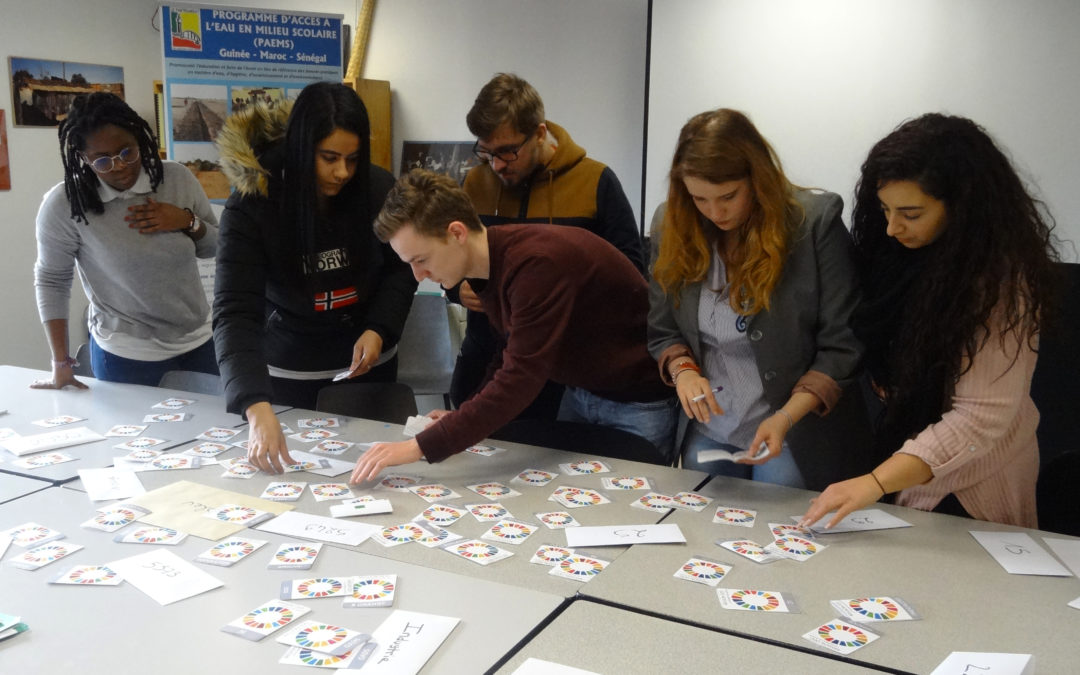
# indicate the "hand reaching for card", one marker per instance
pixel 266 442
pixel 365 353
pixel 382 455
pixel 843 497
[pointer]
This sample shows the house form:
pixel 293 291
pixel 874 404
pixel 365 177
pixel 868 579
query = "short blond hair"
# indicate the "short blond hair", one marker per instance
pixel 429 202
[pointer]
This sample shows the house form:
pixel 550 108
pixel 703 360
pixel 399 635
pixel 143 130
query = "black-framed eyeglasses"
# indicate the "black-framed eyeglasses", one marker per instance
pixel 127 157
pixel 507 153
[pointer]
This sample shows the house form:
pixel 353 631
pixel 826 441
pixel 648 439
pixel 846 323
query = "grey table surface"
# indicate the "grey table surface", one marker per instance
pixel 457 472
pixel 966 600
pixel 117 629
pixel 13 486
pixel 102 406
pixel 611 641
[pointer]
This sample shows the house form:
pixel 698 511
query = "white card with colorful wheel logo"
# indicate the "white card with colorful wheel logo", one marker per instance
pixel 173 403
pixel 38 461
pixel 551 555
pixel 238 467
pixel 534 477
pixel 325 638
pixel 294 556
pixel 654 501
pixel 398 482
pixel 557 520
pixel 327 491
pixel 576 498
pixel 228 552
pixel 690 501
pixel 488 512
pixel 243 445
pixel 434 492
pixel 265 619
pixel 484 450
pixel 166 417
pixel 128 430
pixel 29 535
pixel 479 552
pixel 795 548
pixel 442 514
pixel 218 434
pixel 316 587
pixel 312 465
pixel 89 575
pixel 493 490
pixel 354 660
pixel 173 462
pixel 142 443
pixel 319 423
pixel 875 608
pixel 238 514
pixel 112 518
pixel 783 530
pixel 840 636
pixel 584 467
pixel 578 567
pixel 374 591
pixel 509 532
pixel 207 450
pixel 43 555
pixel 729 515
pixel 702 571
pixel 140 457
pixel 626 483
pixel 396 535
pixel 433 534
pixel 333 447
pixel 151 534
pixel 282 491
pixel 313 435
pixel 750 550
pixel 57 421
pixel 753 600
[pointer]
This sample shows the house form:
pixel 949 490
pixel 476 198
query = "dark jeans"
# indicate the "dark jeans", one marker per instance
pixel 113 368
pixel 305 393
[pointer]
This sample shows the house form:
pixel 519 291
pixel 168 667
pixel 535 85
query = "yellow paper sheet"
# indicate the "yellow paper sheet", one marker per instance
pixel 182 506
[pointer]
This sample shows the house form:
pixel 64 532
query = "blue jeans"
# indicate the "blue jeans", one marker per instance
pixel 781 470
pixel 653 421
pixel 113 368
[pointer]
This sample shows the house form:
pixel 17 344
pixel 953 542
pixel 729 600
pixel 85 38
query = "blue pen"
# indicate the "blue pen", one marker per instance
pixel 701 397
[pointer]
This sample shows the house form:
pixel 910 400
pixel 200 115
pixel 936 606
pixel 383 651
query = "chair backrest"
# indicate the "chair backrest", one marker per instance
pixel 195 382
pixel 392 402
pixel 82 355
pixel 425 354
pixel 1057 371
pixel 592 439
pixel 1058 503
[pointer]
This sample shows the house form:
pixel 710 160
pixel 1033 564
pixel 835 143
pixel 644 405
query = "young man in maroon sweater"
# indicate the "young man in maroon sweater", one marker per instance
pixel 570 307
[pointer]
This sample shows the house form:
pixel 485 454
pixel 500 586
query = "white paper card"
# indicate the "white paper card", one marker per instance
pixel 623 535
pixel 1068 550
pixel 164 576
pixel 1019 554
pixel 535 666
pixel 967 663
pixel 51 440
pixel 406 641
pixel 320 528
pixel 858 521
pixel 110 483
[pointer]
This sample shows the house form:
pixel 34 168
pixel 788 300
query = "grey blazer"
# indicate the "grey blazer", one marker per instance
pixel 804 337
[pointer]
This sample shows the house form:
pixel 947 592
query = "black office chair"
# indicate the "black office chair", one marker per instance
pixel 591 439
pixel 1059 507
pixel 392 402
pixel 82 355
pixel 195 382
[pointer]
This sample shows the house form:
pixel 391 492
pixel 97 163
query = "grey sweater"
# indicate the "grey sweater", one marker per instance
pixel 143 285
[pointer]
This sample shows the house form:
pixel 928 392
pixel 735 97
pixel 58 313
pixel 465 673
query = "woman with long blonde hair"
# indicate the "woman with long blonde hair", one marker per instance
pixel 752 291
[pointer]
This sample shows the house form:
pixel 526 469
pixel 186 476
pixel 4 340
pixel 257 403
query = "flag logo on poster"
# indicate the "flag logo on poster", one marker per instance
pixel 186 31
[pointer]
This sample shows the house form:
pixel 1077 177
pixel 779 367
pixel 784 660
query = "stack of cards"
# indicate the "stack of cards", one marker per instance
pixel 534 477
pixel 295 556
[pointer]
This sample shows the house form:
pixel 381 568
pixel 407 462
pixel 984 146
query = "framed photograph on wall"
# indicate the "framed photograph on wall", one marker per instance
pixel 5 165
pixel 42 90
pixel 453 158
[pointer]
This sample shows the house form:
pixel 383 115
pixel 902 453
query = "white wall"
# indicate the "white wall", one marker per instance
pixel 824 80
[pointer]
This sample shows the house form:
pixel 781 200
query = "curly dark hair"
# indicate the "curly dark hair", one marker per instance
pixel 87 114
pixel 928 311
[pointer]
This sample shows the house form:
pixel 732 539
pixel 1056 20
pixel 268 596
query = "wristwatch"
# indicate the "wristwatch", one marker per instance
pixel 193 226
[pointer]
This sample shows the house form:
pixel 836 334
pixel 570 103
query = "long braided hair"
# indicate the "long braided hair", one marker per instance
pixel 87 114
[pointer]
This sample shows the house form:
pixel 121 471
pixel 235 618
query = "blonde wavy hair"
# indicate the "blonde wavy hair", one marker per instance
pixel 720 146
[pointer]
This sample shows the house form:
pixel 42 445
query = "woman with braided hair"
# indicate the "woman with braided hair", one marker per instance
pixel 133 226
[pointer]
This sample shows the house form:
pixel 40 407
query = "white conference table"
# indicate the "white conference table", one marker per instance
pixel 457 472
pixel 13 486
pixel 609 640
pixel 110 629
pixel 103 405
pixel 967 601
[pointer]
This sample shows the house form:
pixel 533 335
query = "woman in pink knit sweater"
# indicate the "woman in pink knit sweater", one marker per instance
pixel 956 262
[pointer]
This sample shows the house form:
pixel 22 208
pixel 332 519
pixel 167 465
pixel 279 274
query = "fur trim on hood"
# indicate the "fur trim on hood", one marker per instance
pixel 243 140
